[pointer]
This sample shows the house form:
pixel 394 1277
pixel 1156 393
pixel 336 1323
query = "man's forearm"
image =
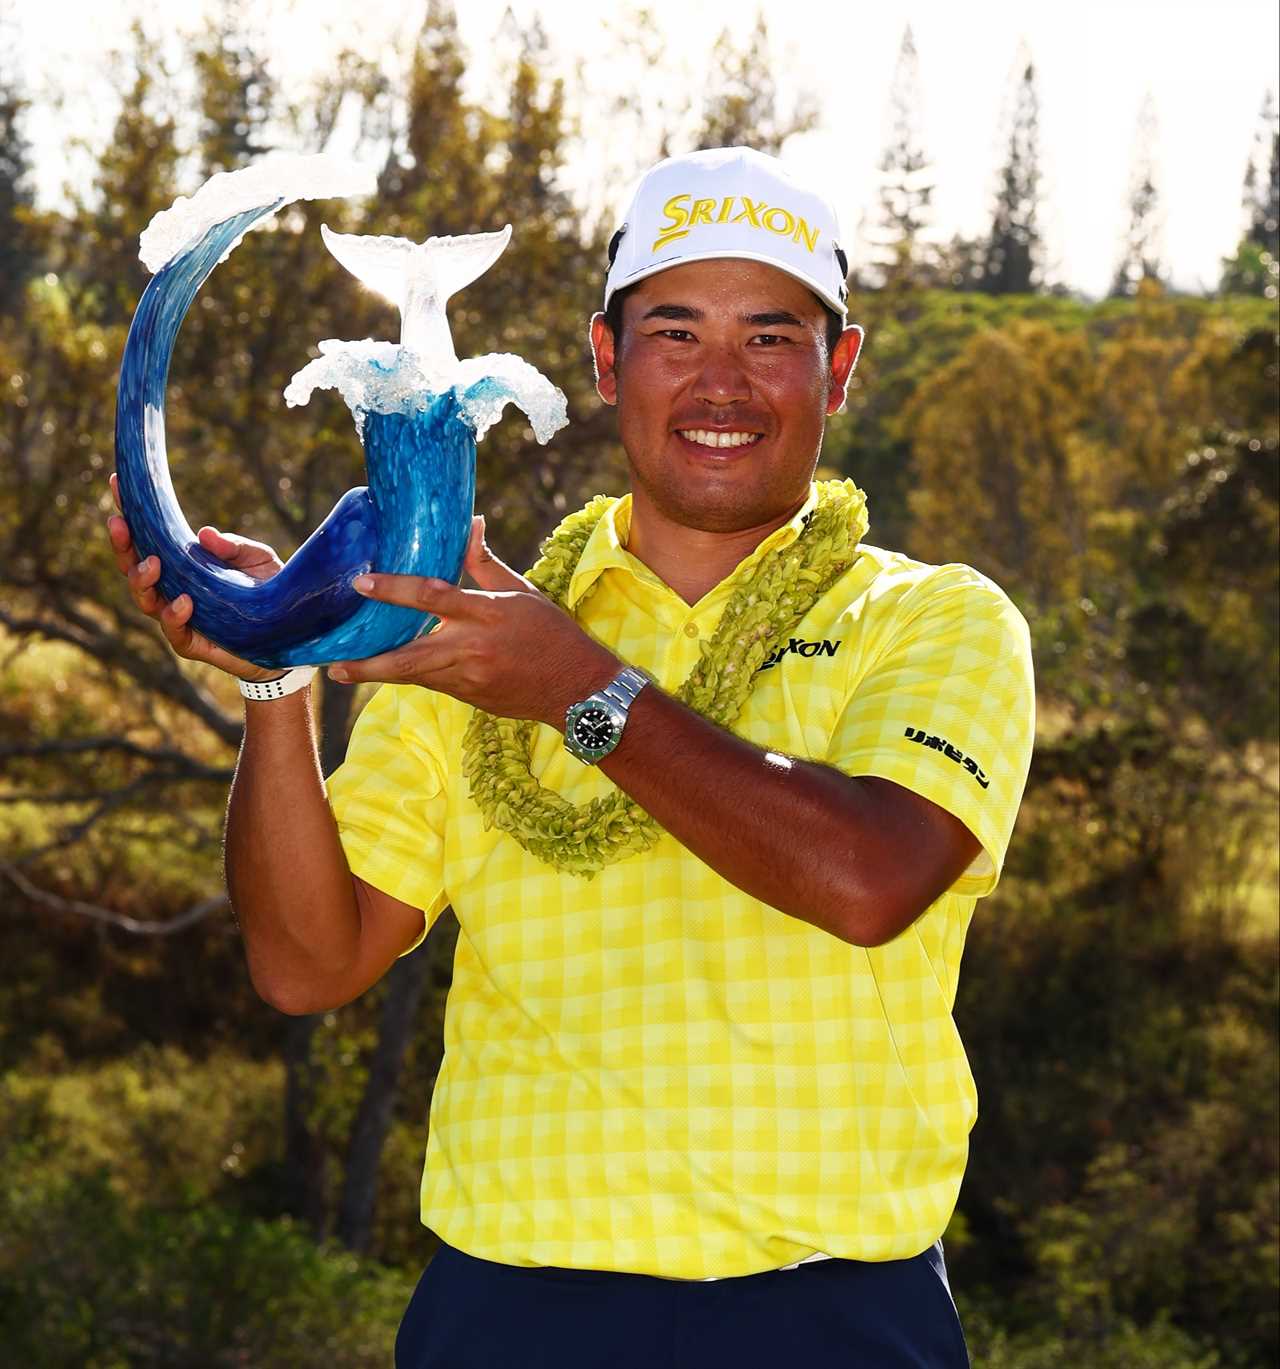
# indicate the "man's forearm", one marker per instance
pixel 860 858
pixel 286 871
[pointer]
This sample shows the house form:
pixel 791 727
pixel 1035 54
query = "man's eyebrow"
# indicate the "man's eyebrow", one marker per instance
pixel 773 320
pixel 681 313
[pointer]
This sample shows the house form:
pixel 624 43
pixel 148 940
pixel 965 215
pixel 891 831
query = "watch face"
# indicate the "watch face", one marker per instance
pixel 593 729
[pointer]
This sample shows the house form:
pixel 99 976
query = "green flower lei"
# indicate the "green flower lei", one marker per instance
pixel 771 600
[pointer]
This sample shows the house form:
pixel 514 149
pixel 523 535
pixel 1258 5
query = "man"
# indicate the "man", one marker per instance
pixel 702 1100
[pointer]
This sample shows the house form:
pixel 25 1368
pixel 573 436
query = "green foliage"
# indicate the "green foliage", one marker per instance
pixel 16 255
pixel 1158 1346
pixel 129 1200
pixel 89 1281
pixel 742 104
pixel 1252 271
pixel 236 95
pixel 1255 267
pixel 1262 181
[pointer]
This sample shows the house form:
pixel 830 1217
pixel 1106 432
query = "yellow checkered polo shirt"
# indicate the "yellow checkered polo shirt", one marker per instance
pixel 651 1071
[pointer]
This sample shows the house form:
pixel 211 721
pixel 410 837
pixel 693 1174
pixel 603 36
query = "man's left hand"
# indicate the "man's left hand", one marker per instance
pixel 504 647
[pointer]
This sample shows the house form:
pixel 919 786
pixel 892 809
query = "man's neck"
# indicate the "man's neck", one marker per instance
pixel 690 560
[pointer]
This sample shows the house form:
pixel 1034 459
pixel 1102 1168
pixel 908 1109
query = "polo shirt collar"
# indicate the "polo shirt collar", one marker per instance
pixel 606 548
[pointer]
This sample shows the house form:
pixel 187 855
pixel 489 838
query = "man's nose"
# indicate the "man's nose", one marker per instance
pixel 721 379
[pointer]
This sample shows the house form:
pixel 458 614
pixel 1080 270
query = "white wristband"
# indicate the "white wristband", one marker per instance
pixel 288 683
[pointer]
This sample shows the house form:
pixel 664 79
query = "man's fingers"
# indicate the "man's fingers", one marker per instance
pixel 174 622
pixel 219 543
pixel 232 547
pixel 121 543
pixel 114 481
pixel 415 591
pixel 238 552
pixel 143 578
pixel 405 664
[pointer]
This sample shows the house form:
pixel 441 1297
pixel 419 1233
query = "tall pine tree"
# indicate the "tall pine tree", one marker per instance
pixel 1255 268
pixel 16 248
pixel 1262 182
pixel 1142 248
pixel 1012 262
pixel 901 216
pixel 742 106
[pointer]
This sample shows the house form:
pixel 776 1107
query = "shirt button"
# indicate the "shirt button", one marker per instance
pixel 691 629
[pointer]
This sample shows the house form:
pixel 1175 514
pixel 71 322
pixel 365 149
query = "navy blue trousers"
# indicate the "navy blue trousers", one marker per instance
pixel 468 1313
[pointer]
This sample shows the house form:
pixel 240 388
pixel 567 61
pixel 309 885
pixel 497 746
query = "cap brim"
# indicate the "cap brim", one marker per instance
pixel 654 267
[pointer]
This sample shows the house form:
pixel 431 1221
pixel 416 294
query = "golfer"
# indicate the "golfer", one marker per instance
pixel 713 793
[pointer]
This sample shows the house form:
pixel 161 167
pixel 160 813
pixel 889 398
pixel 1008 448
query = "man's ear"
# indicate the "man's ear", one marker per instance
pixel 602 356
pixel 843 359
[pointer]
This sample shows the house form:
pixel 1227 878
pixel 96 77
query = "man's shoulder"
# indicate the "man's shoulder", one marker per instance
pixel 883 581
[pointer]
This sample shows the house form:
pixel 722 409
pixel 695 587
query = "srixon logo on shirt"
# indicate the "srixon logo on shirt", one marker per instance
pixel 918 734
pixel 796 647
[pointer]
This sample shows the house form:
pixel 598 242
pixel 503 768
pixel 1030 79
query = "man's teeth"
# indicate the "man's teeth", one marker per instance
pixel 710 439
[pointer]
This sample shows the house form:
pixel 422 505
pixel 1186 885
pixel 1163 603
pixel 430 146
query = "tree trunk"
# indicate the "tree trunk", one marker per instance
pixel 405 981
pixel 305 1176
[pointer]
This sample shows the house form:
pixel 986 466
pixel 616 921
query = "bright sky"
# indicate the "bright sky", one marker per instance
pixel 1206 66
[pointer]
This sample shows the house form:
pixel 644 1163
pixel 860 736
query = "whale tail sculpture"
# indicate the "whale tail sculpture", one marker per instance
pixel 419 278
pixel 418 410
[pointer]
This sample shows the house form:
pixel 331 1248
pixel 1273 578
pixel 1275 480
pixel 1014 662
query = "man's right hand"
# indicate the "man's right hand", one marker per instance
pixel 256 559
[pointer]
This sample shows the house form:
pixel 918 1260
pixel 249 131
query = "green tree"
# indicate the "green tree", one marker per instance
pixel 1001 468
pixel 17 255
pixel 743 106
pixel 1114 465
pixel 236 96
pixel 434 177
pixel 1255 268
pixel 1262 182
pixel 135 179
pixel 1142 247
pixel 1012 264
pixel 905 193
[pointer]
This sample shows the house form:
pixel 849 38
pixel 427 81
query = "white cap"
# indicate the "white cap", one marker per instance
pixel 729 202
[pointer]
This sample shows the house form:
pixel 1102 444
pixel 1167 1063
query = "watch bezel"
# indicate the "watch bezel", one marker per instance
pixel 617 716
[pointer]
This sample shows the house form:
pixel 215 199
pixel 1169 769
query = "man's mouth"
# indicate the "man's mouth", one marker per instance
pixel 705 437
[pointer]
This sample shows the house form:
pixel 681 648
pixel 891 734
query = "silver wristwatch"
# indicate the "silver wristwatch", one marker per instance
pixel 593 727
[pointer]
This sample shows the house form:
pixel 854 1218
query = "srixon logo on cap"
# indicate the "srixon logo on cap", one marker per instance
pixel 684 214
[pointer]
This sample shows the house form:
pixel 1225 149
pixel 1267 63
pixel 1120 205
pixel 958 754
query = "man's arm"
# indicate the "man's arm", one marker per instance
pixel 315 936
pixel 861 858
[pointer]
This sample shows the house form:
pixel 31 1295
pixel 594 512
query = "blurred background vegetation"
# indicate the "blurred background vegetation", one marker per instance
pixel 188 1178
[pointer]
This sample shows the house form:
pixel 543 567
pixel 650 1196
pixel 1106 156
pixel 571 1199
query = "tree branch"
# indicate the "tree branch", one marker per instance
pixel 196 913
pixel 187 767
pixel 161 675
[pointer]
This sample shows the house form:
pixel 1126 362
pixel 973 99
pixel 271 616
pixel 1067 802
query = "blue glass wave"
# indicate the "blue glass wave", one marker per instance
pixel 413 518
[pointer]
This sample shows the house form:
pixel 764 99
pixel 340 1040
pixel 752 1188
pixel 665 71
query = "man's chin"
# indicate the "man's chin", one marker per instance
pixel 724 511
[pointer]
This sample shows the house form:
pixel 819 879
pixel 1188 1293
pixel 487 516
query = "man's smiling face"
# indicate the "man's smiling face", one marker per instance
pixel 723 383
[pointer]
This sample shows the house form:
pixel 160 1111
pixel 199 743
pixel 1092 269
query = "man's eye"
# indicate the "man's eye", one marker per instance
pixel 768 339
pixel 677 334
